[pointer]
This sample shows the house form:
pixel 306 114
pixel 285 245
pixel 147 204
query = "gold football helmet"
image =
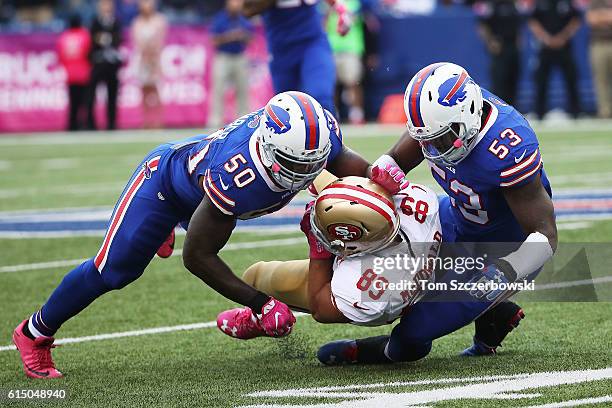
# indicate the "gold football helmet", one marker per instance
pixel 354 215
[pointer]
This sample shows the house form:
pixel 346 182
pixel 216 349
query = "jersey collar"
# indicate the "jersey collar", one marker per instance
pixel 489 121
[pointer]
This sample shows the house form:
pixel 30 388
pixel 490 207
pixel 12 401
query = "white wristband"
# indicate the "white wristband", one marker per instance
pixel 531 255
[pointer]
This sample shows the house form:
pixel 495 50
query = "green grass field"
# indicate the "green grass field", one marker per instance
pixel 202 367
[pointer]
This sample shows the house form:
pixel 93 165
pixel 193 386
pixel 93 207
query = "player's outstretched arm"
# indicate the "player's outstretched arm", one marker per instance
pixel 254 7
pixel 533 209
pixel 406 152
pixel 208 232
pixel 349 163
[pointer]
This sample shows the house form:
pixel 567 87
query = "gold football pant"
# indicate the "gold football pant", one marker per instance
pixel 287 281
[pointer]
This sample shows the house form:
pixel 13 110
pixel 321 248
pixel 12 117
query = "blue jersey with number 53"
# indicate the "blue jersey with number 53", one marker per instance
pixel 227 167
pixel 506 155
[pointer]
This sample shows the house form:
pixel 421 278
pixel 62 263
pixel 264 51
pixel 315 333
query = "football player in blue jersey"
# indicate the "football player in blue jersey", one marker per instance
pixel 486 157
pixel 302 58
pixel 251 167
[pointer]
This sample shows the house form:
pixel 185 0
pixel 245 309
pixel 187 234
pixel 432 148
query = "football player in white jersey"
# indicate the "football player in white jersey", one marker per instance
pixel 357 221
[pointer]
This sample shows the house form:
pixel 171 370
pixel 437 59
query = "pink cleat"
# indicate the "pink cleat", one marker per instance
pixel 166 249
pixel 35 354
pixel 240 323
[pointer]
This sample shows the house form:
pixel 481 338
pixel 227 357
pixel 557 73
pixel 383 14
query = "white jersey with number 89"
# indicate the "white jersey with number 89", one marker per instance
pixel 363 292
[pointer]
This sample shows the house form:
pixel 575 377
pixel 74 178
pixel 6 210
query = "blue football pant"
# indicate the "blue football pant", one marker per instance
pixel 312 71
pixel 141 221
pixel 431 318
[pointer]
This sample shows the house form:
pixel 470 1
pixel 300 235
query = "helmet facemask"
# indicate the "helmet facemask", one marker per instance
pixel 294 172
pixel 449 145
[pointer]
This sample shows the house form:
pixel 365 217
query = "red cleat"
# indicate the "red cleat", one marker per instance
pixel 240 323
pixel 167 247
pixel 35 354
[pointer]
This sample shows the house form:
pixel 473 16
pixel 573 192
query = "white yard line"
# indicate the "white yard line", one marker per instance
pixel 134 333
pixel 574 225
pixel 463 388
pixel 229 247
pixel 571 284
pixel 575 403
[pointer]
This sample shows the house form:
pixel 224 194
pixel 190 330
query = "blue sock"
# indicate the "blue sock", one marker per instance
pixel 78 289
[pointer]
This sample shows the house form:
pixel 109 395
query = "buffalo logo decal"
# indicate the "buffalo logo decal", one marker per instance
pixel 452 91
pixel 277 119
pixel 345 232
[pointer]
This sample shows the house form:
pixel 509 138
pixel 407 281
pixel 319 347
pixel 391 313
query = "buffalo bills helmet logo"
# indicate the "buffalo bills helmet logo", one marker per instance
pixel 277 119
pixel 452 91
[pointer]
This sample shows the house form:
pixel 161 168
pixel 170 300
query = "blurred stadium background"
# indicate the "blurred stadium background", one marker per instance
pixel 401 36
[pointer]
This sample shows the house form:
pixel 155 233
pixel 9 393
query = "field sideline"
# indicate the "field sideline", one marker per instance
pixel 173 356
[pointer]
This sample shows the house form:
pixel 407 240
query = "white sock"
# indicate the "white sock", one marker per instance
pixel 33 329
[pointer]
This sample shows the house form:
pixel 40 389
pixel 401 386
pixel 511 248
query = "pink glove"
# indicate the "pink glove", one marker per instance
pixel 391 178
pixel 276 319
pixel 316 249
pixel 345 21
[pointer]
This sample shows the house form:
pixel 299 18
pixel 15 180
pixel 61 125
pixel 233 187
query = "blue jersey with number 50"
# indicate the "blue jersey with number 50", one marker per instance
pixel 506 155
pixel 227 167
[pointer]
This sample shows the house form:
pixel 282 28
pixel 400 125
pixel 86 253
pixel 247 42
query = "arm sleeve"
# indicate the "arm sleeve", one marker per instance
pixel 521 165
pixel 222 193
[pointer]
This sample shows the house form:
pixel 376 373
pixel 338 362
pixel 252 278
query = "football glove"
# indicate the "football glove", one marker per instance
pixel 276 319
pixel 391 178
pixel 499 272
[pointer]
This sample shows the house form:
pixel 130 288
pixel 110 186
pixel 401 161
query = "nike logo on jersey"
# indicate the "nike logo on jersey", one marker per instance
pixel 223 186
pixel 356 306
pixel 518 159
pixel 451 169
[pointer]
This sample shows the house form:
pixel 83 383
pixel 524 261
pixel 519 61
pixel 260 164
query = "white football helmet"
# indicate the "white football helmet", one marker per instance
pixel 444 107
pixel 294 135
